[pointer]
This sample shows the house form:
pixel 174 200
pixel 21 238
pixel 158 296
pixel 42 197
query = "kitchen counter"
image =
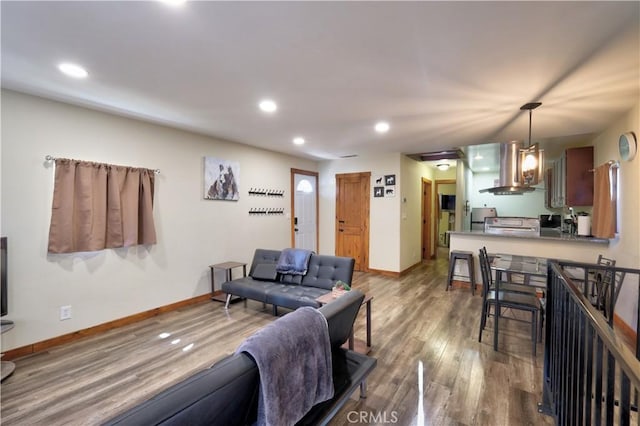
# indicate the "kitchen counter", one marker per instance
pixel 550 235
pixel 552 245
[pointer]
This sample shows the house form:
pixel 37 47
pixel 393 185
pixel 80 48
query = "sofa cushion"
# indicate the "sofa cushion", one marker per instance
pixel 325 270
pixel 249 288
pixel 264 257
pixel 294 296
pixel 264 272
pixel 290 279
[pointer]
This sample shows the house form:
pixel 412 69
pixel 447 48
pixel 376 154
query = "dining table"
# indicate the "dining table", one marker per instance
pixel 532 269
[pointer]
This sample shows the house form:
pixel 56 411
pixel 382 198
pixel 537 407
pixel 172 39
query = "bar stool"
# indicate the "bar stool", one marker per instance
pixel 456 255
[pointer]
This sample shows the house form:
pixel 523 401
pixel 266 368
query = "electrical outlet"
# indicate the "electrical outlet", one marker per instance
pixel 65 312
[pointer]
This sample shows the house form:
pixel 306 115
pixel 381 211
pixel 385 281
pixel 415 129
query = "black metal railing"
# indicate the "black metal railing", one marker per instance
pixel 590 376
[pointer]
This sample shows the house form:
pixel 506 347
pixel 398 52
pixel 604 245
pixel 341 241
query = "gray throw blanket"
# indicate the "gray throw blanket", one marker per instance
pixel 293 261
pixel 293 355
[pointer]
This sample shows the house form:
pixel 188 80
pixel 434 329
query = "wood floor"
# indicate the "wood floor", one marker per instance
pixel 431 368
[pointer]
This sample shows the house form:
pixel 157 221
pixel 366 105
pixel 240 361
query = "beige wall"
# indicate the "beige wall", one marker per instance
pixel 395 240
pixel 384 214
pixel 626 247
pixel 193 233
pixel 411 211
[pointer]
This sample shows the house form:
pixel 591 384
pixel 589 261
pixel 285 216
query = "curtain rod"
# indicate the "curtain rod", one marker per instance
pixel 612 164
pixel 52 158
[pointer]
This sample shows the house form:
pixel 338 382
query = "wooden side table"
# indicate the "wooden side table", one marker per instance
pixel 228 267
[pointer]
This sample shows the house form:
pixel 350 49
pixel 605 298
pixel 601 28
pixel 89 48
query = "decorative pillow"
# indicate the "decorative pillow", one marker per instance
pixel 264 272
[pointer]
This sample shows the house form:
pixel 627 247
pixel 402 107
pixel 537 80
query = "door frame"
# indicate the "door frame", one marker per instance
pixel 427 222
pixel 293 205
pixel 436 220
pixel 366 192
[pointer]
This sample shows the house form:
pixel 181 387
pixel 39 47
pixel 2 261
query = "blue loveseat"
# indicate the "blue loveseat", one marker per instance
pixel 266 285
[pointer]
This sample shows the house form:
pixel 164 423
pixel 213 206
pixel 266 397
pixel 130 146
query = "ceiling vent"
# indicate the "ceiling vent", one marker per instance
pixel 451 154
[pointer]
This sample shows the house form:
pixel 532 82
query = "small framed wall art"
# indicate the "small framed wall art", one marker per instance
pixel 221 179
pixel 390 180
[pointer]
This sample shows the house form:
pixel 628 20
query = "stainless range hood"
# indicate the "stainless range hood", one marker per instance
pixel 510 182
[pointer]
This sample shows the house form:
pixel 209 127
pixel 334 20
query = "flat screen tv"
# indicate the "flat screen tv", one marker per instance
pixel 3 275
pixel 447 202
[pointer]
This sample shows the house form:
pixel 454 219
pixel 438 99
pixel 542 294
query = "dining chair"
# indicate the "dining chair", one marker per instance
pixel 506 300
pixel 508 286
pixel 606 285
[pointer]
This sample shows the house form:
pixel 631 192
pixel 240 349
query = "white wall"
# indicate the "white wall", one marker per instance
pixel 626 248
pixel 464 180
pixel 192 232
pixel 384 215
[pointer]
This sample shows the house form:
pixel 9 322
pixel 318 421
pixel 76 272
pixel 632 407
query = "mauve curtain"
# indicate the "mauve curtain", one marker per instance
pixel 98 206
pixel 604 203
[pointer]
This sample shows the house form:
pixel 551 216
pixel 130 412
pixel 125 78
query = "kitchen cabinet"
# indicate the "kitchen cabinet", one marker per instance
pixel 570 179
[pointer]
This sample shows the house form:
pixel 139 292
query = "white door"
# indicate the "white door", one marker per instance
pixel 305 211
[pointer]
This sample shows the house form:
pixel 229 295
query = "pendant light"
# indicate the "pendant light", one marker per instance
pixel 531 158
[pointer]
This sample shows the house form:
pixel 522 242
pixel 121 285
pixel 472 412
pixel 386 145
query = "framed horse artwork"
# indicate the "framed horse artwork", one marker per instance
pixel 221 179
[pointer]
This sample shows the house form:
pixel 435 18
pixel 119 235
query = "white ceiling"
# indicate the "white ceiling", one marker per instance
pixel 443 74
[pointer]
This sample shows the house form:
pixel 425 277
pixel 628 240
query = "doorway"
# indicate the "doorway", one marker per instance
pixel 445 219
pixel 352 217
pixel 427 202
pixel 304 205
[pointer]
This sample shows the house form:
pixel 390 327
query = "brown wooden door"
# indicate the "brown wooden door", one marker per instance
pixel 352 217
pixel 426 220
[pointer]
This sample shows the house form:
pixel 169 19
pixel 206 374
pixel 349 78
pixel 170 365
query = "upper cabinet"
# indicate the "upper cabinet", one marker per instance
pixel 570 179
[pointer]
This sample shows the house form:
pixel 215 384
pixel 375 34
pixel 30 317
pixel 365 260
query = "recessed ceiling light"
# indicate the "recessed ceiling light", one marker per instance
pixel 268 105
pixel 478 157
pixel 382 127
pixel 73 70
pixel 298 141
pixel 174 3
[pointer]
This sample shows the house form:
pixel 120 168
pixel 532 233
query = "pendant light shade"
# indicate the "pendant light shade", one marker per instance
pixel 531 158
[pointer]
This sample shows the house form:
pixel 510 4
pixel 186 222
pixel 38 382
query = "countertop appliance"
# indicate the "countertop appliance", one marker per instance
pixel 550 225
pixel 550 221
pixel 584 224
pixel 478 214
pixel 520 226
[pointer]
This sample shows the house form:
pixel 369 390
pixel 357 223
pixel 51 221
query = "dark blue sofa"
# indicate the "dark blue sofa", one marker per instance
pixel 266 285
pixel 227 392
